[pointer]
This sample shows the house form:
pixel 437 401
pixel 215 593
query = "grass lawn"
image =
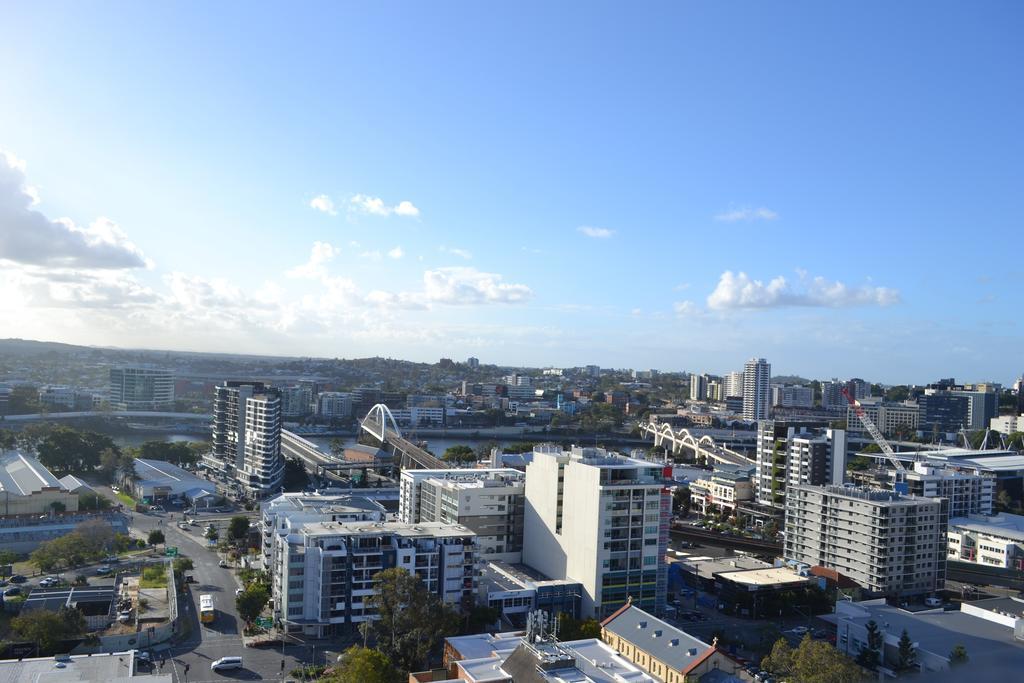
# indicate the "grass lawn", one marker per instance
pixel 126 499
pixel 153 577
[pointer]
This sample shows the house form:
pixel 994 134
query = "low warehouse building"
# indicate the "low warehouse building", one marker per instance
pixel 160 481
pixel 30 489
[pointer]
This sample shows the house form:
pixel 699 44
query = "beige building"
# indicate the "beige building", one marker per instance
pixel 662 650
pixel 28 488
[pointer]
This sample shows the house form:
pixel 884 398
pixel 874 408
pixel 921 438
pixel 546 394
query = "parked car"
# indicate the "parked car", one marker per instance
pixel 143 657
pixel 13 590
pixel 124 616
pixel 189 578
pixel 104 570
pixel 18 578
pixel 799 630
pixel 223 564
pixel 48 582
pixel 183 526
pixel 156 508
pixel 933 601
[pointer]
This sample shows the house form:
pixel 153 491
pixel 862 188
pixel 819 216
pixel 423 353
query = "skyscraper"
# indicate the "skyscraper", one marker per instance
pixel 757 376
pixel 247 436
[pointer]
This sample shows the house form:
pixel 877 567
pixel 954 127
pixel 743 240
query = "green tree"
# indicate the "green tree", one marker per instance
pixel 780 660
pixel 363 665
pixel 46 628
pixel 238 528
pixel 958 655
pixel 412 620
pixel 92 501
pixel 681 501
pixel 459 453
pixel 577 629
pixel 906 652
pixel 182 565
pixel 23 400
pixel 816 661
pixel 7 440
pixel 8 557
pixel 296 478
pixel 590 628
pixel 251 601
pixel 871 653
pixel 212 533
pixel 177 452
pixel 479 618
pixel 156 537
pixel 859 463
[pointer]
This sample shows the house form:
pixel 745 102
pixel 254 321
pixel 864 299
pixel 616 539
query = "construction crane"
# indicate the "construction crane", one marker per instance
pixel 875 434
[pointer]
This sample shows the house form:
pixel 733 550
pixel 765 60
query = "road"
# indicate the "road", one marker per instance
pixel 206 643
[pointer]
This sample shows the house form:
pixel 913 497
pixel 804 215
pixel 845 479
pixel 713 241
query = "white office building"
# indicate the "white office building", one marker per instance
pixel 601 519
pixel 487 501
pixel 890 418
pixel 733 384
pixel 323 572
pixel 247 437
pixel 1007 424
pixel 792 396
pixel 334 405
pixel 889 544
pixel 141 388
pixel 757 378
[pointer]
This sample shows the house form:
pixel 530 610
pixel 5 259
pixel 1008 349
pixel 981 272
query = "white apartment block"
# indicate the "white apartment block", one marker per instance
pixel 996 541
pixel 757 378
pixel 601 519
pixel 733 384
pixel 698 387
pixel 334 404
pixel 287 513
pixel 420 416
pixel 790 453
pixel 490 502
pixel 888 417
pixel 1007 424
pixel 324 571
pixel 296 401
pixel 967 493
pixel 792 397
pixel 889 544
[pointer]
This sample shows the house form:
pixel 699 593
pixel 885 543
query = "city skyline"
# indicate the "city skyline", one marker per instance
pixel 668 188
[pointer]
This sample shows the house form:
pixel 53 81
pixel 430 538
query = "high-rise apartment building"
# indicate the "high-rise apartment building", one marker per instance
pixel 601 519
pixel 732 384
pixel 296 401
pixel 247 436
pixel 792 396
pixel 141 388
pixel 889 544
pixel 790 453
pixel 757 378
pixel 334 405
pixel 698 387
pixel 832 394
pixel 473 363
pixel 489 502
pixel 324 571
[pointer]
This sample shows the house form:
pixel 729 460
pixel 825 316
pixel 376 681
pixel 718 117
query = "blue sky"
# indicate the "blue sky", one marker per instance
pixel 679 185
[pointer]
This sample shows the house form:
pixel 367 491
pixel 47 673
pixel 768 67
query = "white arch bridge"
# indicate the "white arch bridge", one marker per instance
pixel 705 449
pixel 380 424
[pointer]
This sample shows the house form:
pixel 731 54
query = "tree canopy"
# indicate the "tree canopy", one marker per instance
pixel 459 453
pixel 412 620
pixel 363 665
pixel 814 661
pixel 68 451
pixel 251 601
pixel 177 452
pixel 48 628
pixel 238 528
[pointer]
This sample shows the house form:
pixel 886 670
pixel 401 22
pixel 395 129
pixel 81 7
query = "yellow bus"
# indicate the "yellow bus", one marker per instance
pixel 206 612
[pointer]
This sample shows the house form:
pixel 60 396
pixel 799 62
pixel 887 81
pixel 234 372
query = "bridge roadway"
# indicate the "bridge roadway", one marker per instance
pixel 704 447
pixel 408 453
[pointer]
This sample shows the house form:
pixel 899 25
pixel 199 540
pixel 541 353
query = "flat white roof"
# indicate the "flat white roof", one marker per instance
pixel 764 577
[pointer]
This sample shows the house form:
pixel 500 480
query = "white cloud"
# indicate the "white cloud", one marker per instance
pixel 740 291
pixel 396 253
pixel 319 256
pixel 685 308
pixel 455 251
pixel 747 214
pixel 375 206
pixel 29 237
pixel 466 286
pixel 323 204
pixel 596 233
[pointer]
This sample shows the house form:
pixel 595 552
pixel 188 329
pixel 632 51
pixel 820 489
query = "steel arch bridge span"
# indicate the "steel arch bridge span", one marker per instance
pixel 704 447
pixel 377 422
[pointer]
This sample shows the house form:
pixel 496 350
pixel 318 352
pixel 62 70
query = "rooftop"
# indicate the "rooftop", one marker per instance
pixel 23 475
pixel 673 646
pixel 994 654
pixel 421 529
pixel 512 577
pixel 109 668
pixel 160 473
pixel 775 576
pixel 1003 524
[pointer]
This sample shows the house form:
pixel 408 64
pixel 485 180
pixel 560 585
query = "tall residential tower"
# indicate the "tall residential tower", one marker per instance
pixel 757 377
pixel 247 436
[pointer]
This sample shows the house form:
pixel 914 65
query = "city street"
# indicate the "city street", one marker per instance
pixel 205 643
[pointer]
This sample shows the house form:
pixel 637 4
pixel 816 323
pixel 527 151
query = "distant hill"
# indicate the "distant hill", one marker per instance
pixel 790 379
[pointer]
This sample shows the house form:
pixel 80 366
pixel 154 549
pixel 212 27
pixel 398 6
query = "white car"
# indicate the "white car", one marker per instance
pixel 226 663
pixel 799 630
